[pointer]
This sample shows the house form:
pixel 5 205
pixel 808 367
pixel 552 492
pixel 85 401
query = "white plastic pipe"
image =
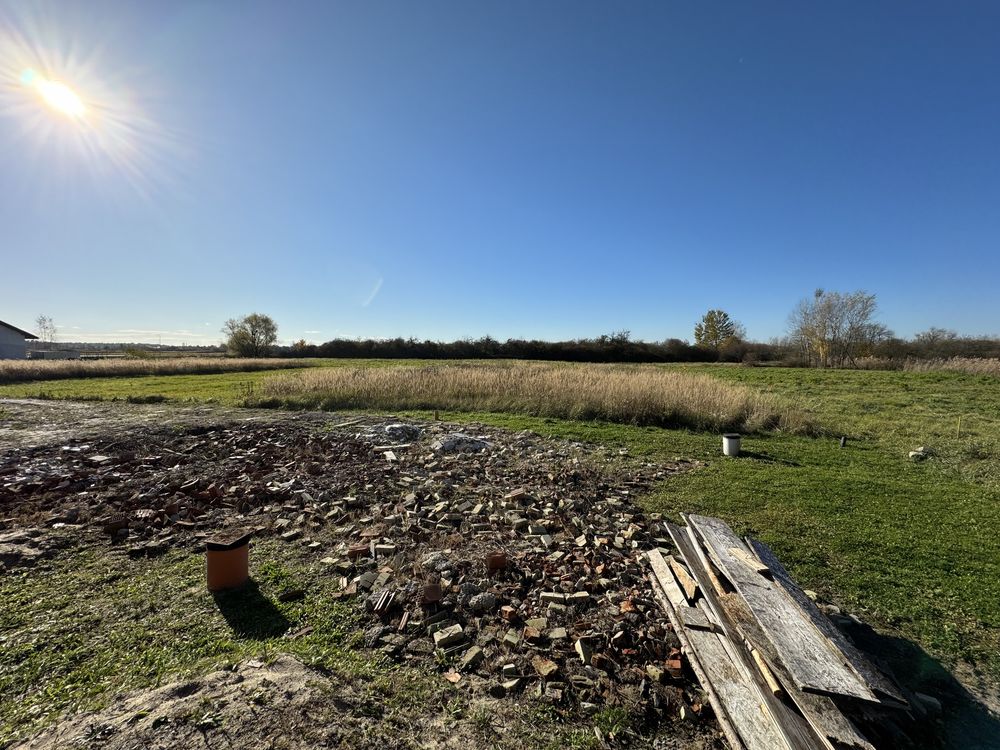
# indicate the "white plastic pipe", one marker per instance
pixel 731 444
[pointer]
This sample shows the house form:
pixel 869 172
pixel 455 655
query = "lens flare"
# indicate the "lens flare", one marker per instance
pixel 77 112
pixel 57 95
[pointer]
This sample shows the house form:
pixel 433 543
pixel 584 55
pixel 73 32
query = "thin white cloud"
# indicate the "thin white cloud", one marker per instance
pixel 312 332
pixel 375 291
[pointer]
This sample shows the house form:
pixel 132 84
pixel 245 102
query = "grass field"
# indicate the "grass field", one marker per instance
pixel 913 547
pixel 24 370
pixel 151 621
pixel 228 388
pixel 617 393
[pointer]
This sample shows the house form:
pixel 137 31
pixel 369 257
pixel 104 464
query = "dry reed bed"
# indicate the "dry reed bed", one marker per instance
pixel 614 393
pixel 23 370
pixel 967 365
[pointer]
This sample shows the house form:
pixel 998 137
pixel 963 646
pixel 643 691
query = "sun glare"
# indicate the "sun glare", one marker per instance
pixel 78 108
pixel 57 95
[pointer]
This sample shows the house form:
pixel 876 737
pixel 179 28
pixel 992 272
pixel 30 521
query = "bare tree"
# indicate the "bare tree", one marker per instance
pixel 935 342
pixel 834 329
pixel 250 336
pixel 46 329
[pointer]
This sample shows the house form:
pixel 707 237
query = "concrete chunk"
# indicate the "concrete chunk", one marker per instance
pixel 449 636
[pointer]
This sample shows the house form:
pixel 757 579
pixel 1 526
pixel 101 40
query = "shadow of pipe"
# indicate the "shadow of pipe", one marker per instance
pixel 251 614
pixel 764 458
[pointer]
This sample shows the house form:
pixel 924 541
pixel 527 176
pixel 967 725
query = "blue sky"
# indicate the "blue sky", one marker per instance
pixel 521 169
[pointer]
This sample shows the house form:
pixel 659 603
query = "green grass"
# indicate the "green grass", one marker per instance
pixel 97 623
pixel 230 388
pixel 898 410
pixel 912 547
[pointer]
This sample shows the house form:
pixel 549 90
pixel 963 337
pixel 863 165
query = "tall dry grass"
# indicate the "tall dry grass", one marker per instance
pixel 23 370
pixel 968 365
pixel 616 393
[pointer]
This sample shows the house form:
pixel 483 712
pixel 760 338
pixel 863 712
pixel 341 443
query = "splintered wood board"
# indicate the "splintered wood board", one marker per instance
pixel 814 663
pixel 688 585
pixel 858 661
pixel 666 591
pixel 819 710
pixel 795 731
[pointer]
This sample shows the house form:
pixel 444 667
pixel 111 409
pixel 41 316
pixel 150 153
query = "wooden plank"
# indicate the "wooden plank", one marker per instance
pixel 766 673
pixel 744 721
pixel 661 592
pixel 755 724
pixel 692 617
pixel 750 561
pixel 688 586
pixel 874 678
pixel 820 711
pixel 795 731
pixel 666 578
pixel 813 662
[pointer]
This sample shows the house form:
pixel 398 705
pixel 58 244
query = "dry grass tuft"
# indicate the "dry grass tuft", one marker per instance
pixel 615 393
pixel 24 370
pixel 968 365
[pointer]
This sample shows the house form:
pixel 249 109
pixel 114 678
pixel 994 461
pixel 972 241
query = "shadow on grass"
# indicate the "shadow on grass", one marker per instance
pixel 965 723
pixel 251 614
pixel 765 458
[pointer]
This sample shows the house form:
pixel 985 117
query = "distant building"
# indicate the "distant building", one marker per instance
pixel 13 341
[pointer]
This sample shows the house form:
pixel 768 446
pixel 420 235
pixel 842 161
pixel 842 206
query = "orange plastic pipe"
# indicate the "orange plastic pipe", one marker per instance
pixel 227 563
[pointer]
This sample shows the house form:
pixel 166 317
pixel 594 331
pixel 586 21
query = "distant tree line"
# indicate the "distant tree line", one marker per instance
pixel 789 351
pixel 828 329
pixel 616 347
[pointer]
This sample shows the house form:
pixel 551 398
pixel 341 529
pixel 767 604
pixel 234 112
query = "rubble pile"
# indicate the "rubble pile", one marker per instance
pixel 494 557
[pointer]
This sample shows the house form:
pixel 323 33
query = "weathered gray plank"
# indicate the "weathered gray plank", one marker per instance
pixel 820 711
pixel 794 729
pixel 666 590
pixel 743 719
pixel 692 617
pixel 754 722
pixel 812 661
pixel 875 679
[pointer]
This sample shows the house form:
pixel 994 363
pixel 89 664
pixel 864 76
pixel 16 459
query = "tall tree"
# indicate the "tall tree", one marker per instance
pixel 46 328
pixel 834 329
pixel 250 336
pixel 716 328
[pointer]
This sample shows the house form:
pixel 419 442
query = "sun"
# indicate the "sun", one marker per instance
pixel 57 95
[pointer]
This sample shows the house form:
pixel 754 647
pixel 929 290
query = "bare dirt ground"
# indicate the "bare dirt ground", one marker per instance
pixel 398 518
pixel 28 423
pixel 283 705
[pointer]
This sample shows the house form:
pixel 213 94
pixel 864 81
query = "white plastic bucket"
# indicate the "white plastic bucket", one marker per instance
pixel 731 444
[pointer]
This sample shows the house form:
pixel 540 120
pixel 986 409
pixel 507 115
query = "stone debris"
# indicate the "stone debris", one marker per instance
pixel 459 442
pixel 511 559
